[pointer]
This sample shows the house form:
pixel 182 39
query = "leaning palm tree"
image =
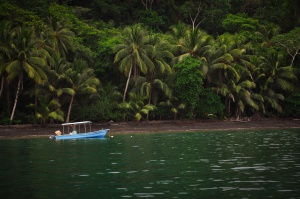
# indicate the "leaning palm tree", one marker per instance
pixel 83 81
pixel 25 60
pixel 132 54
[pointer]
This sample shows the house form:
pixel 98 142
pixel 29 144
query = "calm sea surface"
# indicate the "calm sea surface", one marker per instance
pixel 259 164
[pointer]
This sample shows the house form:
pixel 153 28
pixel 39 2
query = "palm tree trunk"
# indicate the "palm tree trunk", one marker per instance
pixel 2 85
pixel 150 95
pixel 70 107
pixel 237 114
pixel 220 80
pixel 16 99
pixel 229 106
pixel 8 101
pixel 35 100
pixel 226 105
pixel 127 83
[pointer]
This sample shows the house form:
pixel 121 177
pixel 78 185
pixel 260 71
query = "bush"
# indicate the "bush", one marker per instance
pixel 5 121
pixel 161 113
pixel 188 83
pixel 292 105
pixel 102 110
pixel 209 105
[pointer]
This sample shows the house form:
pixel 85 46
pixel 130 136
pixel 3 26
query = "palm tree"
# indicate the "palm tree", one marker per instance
pixel 223 55
pixel 153 85
pixel 278 76
pixel 272 100
pixel 136 107
pixel 47 109
pixel 179 31
pixel 191 43
pixel 194 43
pixel 174 104
pixel 154 89
pixel 82 80
pixel 58 38
pixel 132 54
pixel 57 82
pixel 2 73
pixel 273 80
pixel 266 33
pixel 25 60
pixel 2 70
pixel 239 91
pixel 111 93
pixel 6 32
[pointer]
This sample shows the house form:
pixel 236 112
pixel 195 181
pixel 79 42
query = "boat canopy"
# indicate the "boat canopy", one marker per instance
pixel 78 129
pixel 75 123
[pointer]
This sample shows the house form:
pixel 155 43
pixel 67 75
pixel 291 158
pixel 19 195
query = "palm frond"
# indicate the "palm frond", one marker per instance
pixel 284 85
pixel 247 84
pixel 257 97
pixel 13 69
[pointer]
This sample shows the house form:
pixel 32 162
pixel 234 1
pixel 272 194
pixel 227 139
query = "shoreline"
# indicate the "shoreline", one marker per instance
pixel 168 126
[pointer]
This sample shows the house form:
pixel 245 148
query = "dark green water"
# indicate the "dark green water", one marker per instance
pixel 260 164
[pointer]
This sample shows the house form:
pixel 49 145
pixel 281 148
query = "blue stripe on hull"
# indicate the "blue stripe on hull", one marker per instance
pixel 95 134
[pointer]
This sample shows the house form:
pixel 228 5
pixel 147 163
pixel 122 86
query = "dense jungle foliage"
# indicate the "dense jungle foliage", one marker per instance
pixel 132 60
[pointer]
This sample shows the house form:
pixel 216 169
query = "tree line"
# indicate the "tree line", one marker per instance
pixel 138 60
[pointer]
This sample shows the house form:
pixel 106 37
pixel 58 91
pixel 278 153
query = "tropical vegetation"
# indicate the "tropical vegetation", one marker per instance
pixel 133 60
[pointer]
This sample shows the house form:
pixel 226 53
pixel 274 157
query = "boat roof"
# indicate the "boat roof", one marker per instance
pixel 75 123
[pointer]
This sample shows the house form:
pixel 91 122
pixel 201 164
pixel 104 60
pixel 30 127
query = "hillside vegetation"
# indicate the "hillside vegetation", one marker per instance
pixel 133 60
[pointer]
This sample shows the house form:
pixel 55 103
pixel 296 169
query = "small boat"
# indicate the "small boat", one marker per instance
pixel 79 130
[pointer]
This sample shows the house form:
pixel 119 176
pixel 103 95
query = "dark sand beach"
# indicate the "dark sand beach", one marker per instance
pixel 15 131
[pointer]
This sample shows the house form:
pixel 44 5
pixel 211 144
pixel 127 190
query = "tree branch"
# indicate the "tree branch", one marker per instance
pixel 146 3
pixel 292 55
pixel 199 9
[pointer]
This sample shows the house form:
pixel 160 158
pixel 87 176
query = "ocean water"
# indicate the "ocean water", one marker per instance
pixel 247 164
